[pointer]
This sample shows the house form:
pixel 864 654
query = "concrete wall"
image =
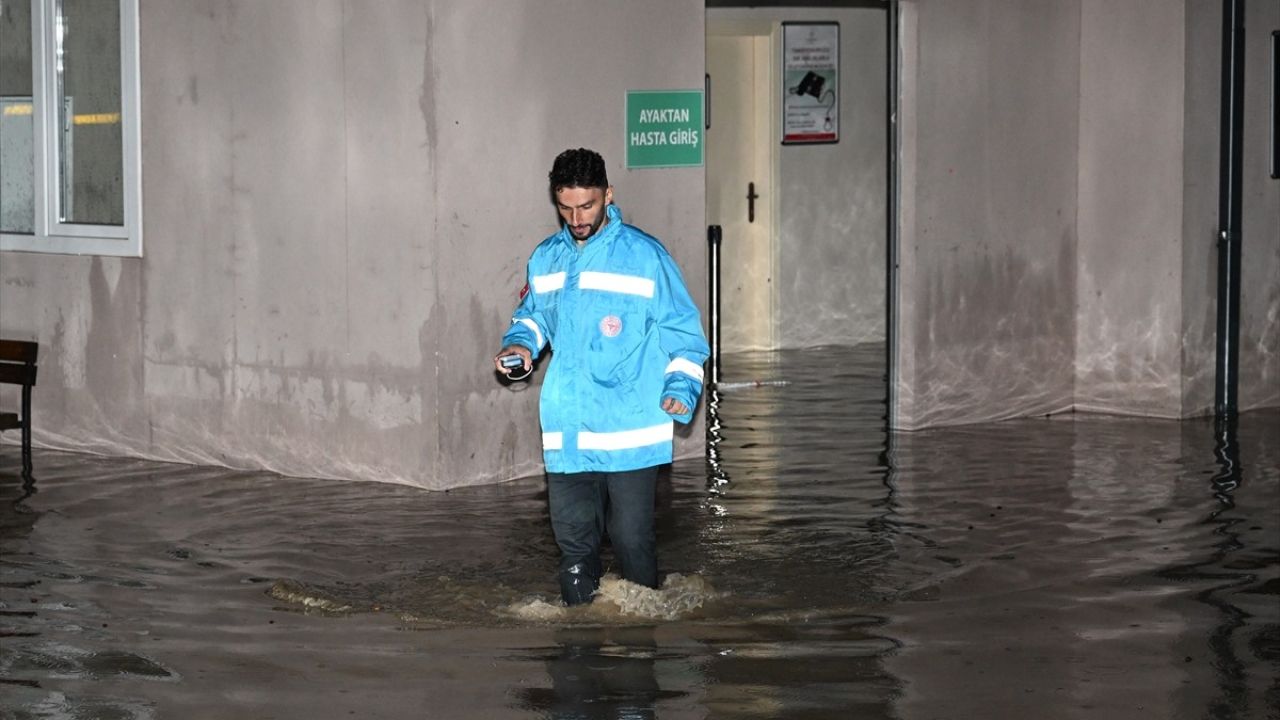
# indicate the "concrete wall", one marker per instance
pixel 1149 178
pixel 338 202
pixel 987 285
pixel 1203 65
pixel 1128 348
pixel 1059 210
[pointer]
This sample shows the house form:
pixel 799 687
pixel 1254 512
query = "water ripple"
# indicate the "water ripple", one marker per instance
pixel 818 566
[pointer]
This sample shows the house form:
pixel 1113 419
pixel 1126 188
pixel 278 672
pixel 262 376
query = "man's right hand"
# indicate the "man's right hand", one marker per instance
pixel 520 350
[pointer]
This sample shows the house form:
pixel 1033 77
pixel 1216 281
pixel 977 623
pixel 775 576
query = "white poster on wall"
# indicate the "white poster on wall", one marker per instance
pixel 811 82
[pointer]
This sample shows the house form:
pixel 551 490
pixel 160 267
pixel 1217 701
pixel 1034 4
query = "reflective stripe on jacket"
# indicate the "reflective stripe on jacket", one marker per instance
pixel 624 333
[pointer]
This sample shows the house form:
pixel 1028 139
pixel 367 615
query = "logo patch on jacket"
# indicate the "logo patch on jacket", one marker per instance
pixel 611 325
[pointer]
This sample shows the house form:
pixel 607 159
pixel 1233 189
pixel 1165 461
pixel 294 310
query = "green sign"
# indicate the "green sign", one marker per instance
pixel 664 128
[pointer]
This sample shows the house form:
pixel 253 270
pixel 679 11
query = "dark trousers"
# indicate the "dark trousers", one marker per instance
pixel 586 506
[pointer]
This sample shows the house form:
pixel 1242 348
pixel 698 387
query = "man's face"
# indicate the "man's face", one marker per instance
pixel 583 209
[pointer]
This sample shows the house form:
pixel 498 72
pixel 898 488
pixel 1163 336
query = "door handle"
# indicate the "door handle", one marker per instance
pixel 751 202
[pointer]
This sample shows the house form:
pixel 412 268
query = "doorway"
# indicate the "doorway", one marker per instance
pixel 804 259
pixel 740 181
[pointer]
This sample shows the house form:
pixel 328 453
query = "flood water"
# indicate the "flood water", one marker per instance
pixel 1070 567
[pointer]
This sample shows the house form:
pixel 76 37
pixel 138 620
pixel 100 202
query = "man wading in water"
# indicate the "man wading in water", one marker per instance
pixel 629 350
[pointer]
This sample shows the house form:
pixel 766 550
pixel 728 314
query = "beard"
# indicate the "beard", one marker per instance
pixel 591 230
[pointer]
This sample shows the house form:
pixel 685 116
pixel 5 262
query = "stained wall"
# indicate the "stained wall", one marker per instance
pixel 987 287
pixel 339 199
pixel 1059 210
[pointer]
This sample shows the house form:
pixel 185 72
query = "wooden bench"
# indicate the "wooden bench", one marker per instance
pixel 18 367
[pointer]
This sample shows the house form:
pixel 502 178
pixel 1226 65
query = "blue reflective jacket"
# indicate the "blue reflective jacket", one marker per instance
pixel 625 335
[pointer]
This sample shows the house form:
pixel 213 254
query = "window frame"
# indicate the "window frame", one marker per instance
pixel 50 234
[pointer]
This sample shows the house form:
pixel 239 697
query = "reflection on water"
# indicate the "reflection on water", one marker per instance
pixel 598 672
pixel 816 567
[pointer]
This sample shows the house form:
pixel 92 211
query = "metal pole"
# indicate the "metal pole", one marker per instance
pixel 1229 210
pixel 713 285
pixel 716 476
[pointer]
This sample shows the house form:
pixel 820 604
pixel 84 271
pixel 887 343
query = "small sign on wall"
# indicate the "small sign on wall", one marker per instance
pixel 664 128
pixel 811 82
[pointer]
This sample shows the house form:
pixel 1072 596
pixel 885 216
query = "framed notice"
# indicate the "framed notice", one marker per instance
pixel 810 82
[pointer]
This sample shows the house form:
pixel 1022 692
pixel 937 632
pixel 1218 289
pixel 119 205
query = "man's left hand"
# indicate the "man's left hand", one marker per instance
pixel 673 406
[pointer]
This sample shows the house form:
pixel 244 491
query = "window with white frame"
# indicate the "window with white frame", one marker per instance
pixel 70 153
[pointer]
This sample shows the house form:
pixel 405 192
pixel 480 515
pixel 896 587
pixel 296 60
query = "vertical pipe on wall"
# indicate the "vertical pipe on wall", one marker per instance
pixel 716 475
pixel 713 298
pixel 1229 210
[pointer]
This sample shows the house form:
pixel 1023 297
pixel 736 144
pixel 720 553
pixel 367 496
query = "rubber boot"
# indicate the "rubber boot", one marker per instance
pixel 576 585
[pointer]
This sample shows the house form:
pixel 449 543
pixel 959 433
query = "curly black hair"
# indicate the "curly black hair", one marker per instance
pixel 580 168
